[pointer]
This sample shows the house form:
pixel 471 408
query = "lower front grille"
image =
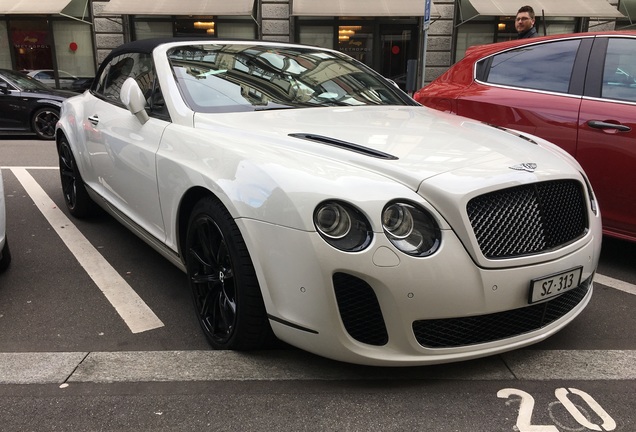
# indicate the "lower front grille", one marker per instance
pixel 360 310
pixel 458 332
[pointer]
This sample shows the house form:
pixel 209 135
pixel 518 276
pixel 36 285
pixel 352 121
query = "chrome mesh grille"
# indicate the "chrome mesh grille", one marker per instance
pixel 528 219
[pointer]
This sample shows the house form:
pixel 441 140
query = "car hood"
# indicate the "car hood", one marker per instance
pixel 408 144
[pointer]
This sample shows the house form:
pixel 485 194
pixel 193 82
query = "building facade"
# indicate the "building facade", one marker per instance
pixel 391 36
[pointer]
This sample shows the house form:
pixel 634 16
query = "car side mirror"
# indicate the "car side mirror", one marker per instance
pixel 133 98
pixel 4 87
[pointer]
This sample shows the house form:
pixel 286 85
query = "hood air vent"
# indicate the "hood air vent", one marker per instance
pixel 344 145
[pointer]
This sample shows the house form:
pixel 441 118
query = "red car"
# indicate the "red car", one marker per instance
pixel 576 90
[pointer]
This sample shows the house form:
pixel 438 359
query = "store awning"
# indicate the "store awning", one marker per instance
pixel 359 8
pixel 32 6
pixel 178 7
pixel 549 8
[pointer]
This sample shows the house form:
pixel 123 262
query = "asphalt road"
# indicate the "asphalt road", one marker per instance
pixel 71 360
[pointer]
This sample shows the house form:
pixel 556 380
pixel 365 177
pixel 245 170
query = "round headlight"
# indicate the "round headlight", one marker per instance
pixel 397 221
pixel 342 226
pixel 411 229
pixel 333 220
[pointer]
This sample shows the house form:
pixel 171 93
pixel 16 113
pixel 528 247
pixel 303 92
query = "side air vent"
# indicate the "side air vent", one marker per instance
pixel 360 310
pixel 344 145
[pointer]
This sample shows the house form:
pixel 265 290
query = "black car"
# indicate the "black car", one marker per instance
pixel 27 105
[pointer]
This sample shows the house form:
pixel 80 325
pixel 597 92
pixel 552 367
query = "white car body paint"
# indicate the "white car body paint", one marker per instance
pixel 271 183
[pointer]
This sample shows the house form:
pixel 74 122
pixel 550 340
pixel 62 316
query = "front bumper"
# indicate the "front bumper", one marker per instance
pixel 304 282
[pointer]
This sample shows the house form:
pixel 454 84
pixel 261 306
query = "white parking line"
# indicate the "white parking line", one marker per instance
pixel 615 283
pixel 135 313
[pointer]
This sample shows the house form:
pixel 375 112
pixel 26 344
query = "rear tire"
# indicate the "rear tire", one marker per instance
pixel 77 200
pixel 225 290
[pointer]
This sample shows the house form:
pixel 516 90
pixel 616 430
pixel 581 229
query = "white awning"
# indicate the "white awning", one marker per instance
pixel 32 6
pixel 178 7
pixel 549 8
pixel 359 8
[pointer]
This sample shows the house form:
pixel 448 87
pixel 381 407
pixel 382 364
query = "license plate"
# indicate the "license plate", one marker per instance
pixel 555 284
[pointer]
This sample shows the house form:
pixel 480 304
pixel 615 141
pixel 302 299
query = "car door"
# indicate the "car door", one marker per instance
pixel 607 131
pixel 536 89
pixel 122 150
pixel 14 108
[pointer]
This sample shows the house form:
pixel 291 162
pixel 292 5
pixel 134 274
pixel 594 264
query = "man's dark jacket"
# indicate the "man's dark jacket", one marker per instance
pixel 532 33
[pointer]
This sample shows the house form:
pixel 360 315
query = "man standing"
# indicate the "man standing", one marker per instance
pixel 524 23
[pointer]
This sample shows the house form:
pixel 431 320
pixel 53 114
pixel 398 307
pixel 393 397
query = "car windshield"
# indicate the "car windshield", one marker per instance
pixel 231 78
pixel 24 82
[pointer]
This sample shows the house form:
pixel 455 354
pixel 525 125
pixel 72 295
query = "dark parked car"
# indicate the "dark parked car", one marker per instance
pixel 27 105
pixel 82 84
pixel 65 79
pixel 576 90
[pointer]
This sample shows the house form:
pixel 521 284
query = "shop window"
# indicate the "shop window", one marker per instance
pixel 74 49
pixel 470 34
pixel 221 27
pixel 627 8
pixel 152 29
pixel 235 30
pixel 357 42
pixel 320 36
pixel 31 44
pixel 5 54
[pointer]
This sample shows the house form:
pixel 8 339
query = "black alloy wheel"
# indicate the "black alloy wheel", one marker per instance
pixel 225 290
pixel 44 121
pixel 77 200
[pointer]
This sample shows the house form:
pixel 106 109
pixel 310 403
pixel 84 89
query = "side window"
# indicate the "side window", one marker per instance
pixel 113 76
pixel 545 66
pixel 135 65
pixel 44 75
pixel 140 67
pixel 6 84
pixel 619 71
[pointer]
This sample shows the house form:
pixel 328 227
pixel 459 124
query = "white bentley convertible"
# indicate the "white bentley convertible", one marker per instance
pixel 309 199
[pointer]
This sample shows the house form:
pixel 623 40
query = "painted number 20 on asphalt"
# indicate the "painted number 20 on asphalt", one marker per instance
pixel 527 406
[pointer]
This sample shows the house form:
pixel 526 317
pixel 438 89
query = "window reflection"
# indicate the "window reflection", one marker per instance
pixel 228 78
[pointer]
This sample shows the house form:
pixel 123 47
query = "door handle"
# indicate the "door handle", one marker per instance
pixel 94 120
pixel 597 124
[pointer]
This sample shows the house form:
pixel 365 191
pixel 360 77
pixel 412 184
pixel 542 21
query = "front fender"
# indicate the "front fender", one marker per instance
pixel 264 181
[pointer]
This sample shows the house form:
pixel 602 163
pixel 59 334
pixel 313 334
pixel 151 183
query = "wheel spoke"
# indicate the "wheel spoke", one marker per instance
pixel 45 122
pixel 212 280
pixel 68 175
pixel 226 309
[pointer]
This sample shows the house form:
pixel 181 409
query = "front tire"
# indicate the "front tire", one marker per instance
pixel 43 122
pixel 5 256
pixel 77 200
pixel 225 290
